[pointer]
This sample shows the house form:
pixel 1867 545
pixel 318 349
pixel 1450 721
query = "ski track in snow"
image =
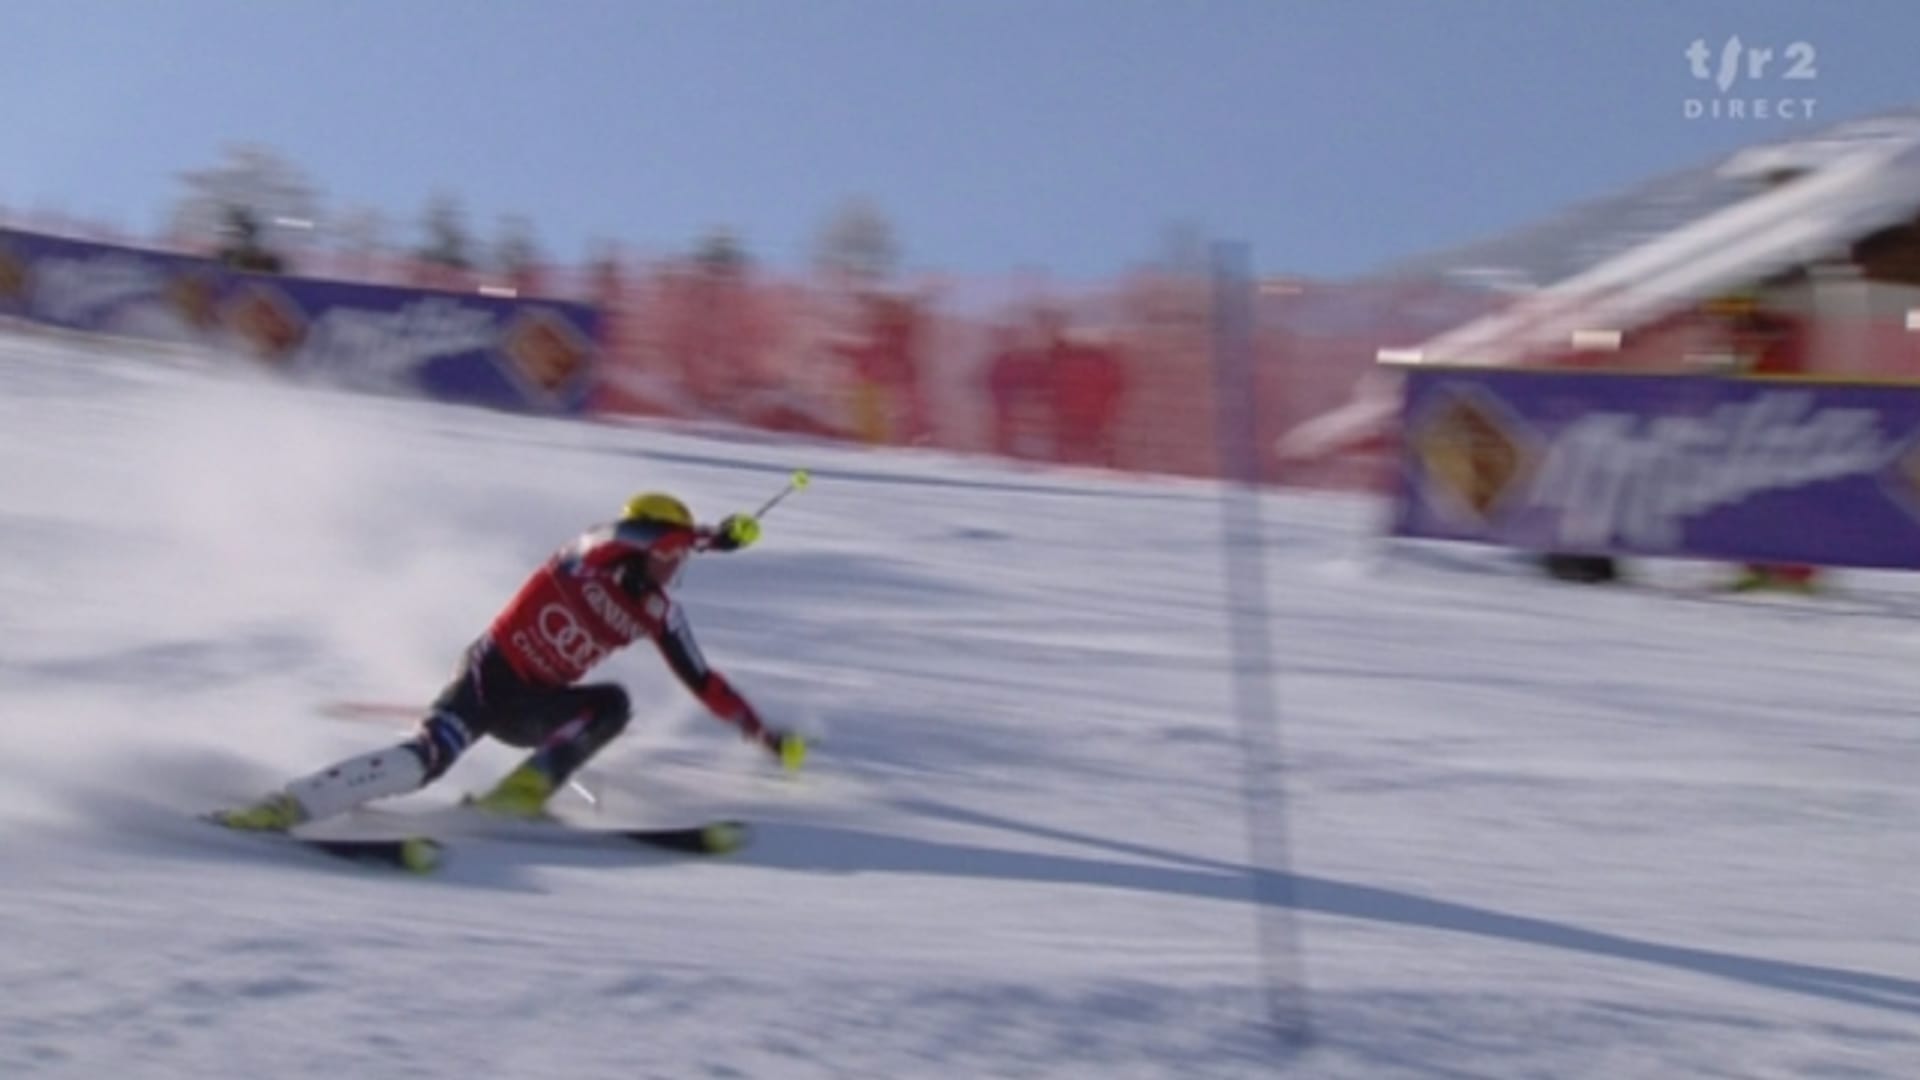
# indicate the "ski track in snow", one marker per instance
pixel 1537 830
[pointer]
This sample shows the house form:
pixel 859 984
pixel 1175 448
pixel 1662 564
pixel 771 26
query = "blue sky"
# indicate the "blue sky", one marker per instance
pixel 998 134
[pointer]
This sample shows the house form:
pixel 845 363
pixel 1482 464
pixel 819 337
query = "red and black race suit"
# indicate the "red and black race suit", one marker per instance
pixel 600 594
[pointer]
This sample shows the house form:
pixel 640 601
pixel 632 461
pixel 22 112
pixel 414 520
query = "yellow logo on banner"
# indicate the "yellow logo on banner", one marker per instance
pixel 192 294
pixel 545 350
pixel 267 319
pixel 13 276
pixel 1470 452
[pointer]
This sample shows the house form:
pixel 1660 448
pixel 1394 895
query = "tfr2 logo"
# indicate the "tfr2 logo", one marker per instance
pixel 1747 77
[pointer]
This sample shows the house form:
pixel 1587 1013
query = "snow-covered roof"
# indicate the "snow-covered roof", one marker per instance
pixel 1848 182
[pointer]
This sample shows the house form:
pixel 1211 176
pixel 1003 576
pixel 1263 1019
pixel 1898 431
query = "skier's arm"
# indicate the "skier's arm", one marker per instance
pixel 683 656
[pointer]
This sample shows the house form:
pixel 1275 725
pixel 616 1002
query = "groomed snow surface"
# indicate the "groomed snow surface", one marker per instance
pixel 1537 830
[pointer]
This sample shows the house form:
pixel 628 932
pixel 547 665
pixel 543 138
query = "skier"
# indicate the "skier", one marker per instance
pixel 517 683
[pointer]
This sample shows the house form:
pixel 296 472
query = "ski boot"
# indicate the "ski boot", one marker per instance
pixel 278 812
pixel 522 793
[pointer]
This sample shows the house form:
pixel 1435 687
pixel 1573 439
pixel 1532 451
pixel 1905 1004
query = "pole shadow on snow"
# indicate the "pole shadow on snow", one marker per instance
pixel 117 821
pixel 816 848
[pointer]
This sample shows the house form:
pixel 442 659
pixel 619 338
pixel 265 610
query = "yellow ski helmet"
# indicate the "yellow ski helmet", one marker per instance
pixel 657 507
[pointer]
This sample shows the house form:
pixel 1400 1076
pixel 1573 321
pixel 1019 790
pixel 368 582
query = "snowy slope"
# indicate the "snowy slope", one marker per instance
pixel 1538 831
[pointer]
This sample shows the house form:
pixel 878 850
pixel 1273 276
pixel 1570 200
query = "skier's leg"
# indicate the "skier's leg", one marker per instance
pixel 397 770
pixel 458 717
pixel 335 789
pixel 567 727
pixel 599 714
pixel 338 788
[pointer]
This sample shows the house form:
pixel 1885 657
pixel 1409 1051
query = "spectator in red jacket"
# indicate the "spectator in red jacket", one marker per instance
pixel 1086 385
pixel 1016 387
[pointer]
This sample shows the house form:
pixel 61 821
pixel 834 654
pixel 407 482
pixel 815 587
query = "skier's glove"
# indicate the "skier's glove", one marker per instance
pixel 787 747
pixel 736 531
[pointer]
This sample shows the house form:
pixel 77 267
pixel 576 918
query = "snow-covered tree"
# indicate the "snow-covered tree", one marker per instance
pixel 857 243
pixel 253 196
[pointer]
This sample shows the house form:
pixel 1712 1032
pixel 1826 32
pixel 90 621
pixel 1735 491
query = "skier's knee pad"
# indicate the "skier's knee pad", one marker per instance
pixel 443 738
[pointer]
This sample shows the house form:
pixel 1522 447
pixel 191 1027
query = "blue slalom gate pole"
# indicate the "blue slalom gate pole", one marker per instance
pixel 1256 706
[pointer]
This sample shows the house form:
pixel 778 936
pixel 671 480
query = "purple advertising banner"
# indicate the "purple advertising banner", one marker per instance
pixel 1692 466
pixel 526 355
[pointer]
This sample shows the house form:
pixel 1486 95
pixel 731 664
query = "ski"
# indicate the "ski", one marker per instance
pixel 712 838
pixel 416 854
pixel 719 836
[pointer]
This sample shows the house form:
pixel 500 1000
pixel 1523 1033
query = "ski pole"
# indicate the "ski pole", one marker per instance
pixel 584 792
pixel 797 482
